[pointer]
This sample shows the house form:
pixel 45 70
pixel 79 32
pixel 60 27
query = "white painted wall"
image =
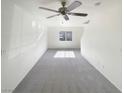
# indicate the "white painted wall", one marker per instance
pixel 101 42
pixel 53 37
pixel 24 41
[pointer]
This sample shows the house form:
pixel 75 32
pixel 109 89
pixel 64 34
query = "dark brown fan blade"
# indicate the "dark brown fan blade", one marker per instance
pixel 53 16
pixel 49 9
pixel 78 14
pixel 66 17
pixel 74 5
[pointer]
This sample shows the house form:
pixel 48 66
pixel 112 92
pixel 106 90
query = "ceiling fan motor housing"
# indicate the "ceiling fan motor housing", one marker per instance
pixel 63 10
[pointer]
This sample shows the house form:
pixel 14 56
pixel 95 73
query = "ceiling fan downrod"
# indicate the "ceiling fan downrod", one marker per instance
pixel 63 4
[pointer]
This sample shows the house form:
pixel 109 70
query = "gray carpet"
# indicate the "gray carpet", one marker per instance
pixel 64 75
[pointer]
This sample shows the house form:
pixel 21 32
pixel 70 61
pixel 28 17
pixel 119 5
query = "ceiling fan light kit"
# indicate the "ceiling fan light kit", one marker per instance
pixel 66 10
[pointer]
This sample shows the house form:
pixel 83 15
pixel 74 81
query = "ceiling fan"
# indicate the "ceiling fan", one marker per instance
pixel 65 11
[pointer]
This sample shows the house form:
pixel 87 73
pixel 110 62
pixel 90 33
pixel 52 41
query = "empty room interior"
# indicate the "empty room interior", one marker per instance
pixel 61 46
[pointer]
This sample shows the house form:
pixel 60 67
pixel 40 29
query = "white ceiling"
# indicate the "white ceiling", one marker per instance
pixel 88 6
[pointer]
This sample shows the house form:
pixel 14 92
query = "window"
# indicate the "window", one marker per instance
pixel 65 36
pixel 62 36
pixel 69 36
